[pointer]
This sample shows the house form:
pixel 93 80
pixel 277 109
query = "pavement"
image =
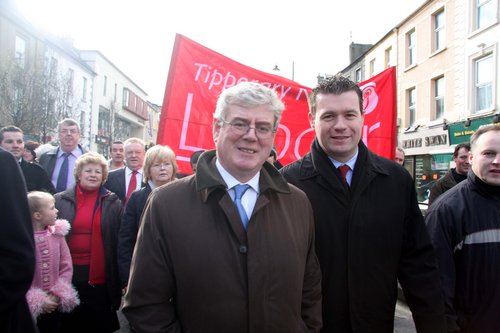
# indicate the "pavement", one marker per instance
pixel 403 320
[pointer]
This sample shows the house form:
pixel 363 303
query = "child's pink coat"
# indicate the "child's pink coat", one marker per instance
pixel 53 271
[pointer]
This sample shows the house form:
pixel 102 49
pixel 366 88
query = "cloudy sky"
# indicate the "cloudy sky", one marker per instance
pixel 138 36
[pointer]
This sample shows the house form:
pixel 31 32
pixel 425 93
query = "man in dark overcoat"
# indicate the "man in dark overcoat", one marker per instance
pixel 369 229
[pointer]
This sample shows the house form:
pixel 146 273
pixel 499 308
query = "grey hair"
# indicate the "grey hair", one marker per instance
pixel 249 95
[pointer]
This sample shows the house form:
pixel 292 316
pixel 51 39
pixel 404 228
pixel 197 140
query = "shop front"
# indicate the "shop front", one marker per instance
pixel 429 151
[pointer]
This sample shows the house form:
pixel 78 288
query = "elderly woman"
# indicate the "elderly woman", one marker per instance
pixel 95 215
pixel 159 169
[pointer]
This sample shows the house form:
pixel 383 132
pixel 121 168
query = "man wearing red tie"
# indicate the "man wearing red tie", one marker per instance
pixel 126 180
pixel 369 229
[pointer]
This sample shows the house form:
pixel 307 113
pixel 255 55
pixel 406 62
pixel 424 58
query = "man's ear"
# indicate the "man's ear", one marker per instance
pixel 311 119
pixel 216 130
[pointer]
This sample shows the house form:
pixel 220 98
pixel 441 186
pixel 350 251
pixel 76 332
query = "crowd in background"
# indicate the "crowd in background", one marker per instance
pixel 245 244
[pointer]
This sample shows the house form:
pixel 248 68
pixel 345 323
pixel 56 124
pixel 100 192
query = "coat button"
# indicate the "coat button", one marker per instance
pixel 45 251
pixel 45 279
pixel 45 265
pixel 243 249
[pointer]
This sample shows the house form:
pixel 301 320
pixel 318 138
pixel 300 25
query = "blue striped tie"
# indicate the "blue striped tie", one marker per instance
pixel 239 190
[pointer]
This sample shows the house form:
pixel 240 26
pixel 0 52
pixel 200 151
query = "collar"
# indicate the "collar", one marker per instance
pixel 231 181
pixel 129 171
pixel 75 152
pixel 351 163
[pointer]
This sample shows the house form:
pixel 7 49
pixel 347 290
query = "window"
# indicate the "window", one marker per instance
pixel 484 13
pixel 84 92
pixel 412 106
pixel 105 85
pixel 20 52
pixel 126 96
pixel 484 72
pixel 388 54
pixel 116 88
pixel 439 30
pixel 411 48
pixel 53 68
pixel 358 75
pixel 439 97
pixel 372 67
pixel 71 78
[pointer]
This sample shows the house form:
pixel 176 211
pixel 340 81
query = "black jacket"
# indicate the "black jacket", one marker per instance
pixel 116 183
pixel 36 178
pixel 368 237
pixel 464 225
pixel 111 214
pixel 128 230
pixel 48 160
pixel 442 185
pixel 17 249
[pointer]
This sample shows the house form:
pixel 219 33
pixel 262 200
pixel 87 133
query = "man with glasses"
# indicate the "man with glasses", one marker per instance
pixel 230 248
pixel 60 161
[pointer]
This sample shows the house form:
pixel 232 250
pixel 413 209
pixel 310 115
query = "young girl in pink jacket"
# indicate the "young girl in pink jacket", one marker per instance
pixel 51 291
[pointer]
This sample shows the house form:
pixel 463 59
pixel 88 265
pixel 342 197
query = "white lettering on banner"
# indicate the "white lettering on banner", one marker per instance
pixel 214 78
pixel 185 132
pixel 370 102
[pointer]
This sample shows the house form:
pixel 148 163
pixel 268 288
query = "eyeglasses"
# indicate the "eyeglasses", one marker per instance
pixel 68 131
pixel 242 128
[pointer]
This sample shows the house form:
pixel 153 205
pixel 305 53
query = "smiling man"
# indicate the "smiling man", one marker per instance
pixel 369 229
pixel 59 162
pixel 230 248
pixel 12 140
pixel 464 224
pixel 123 182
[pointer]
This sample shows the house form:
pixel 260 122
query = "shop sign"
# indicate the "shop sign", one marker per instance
pixel 432 140
pixel 460 134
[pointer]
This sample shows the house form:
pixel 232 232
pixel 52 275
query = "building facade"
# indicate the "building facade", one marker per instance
pixel 446 56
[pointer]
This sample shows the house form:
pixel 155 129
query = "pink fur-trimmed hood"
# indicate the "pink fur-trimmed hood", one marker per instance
pixel 60 228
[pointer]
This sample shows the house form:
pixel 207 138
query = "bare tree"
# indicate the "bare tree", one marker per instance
pixel 35 99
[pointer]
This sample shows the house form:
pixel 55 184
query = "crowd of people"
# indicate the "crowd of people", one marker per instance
pixel 244 244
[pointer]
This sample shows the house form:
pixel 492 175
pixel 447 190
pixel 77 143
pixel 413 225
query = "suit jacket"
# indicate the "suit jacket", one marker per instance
pixel 116 183
pixel 17 251
pixel 36 178
pixel 48 160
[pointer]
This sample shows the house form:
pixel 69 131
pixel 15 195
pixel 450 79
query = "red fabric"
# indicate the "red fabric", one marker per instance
pixel 198 75
pixel 132 184
pixel 343 170
pixel 85 243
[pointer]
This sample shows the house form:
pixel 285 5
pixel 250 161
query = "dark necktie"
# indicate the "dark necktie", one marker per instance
pixel 343 170
pixel 62 178
pixel 132 184
pixel 239 190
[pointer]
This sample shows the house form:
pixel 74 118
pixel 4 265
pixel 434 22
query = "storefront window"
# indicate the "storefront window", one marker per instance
pixel 428 169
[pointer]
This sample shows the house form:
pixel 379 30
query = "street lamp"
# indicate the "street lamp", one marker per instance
pixel 277 69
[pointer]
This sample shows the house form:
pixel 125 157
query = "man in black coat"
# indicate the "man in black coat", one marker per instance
pixel 119 180
pixel 12 140
pixel 17 254
pixel 369 229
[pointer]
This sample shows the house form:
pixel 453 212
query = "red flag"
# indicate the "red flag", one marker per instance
pixel 198 75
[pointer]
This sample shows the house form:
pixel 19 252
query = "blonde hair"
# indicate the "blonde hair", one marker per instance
pixel 91 158
pixel 36 200
pixel 161 153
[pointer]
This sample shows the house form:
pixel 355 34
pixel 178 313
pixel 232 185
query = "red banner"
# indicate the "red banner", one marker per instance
pixel 198 75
